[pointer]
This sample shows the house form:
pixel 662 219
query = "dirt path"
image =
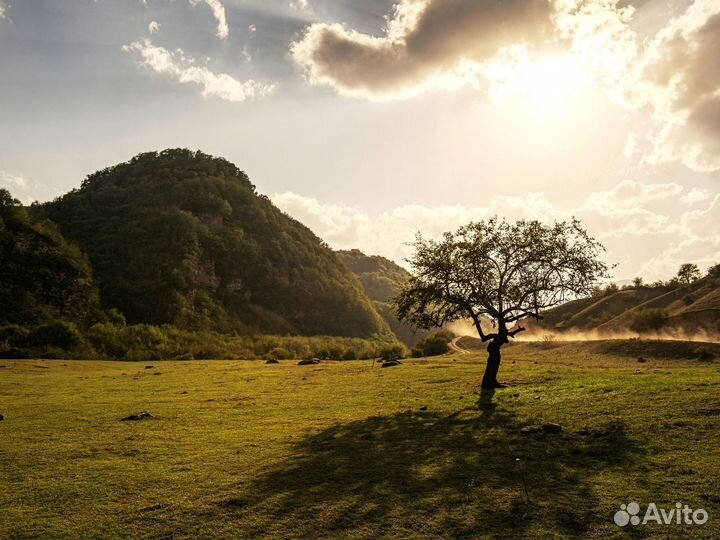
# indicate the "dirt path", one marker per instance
pixel 456 348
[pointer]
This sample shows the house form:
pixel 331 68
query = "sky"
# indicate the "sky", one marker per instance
pixel 370 121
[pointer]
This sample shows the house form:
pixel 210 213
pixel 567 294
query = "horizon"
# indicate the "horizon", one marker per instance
pixel 607 113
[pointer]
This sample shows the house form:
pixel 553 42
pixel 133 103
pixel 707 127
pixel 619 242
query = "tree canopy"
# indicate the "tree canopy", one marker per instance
pixel 688 272
pixel 179 237
pixel 42 277
pixel 499 270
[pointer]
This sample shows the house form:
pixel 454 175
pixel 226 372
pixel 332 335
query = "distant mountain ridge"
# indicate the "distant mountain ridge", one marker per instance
pixel 382 280
pixel 183 238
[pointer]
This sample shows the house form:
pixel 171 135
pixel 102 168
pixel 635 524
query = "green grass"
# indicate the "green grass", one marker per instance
pixel 343 450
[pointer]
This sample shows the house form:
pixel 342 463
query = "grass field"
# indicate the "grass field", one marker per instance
pixel 348 450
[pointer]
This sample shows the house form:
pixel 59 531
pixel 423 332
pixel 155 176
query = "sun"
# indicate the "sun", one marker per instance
pixel 546 85
pixel 551 83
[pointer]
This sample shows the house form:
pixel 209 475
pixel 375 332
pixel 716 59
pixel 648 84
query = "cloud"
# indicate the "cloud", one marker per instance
pixel 3 11
pixel 183 69
pixel 426 43
pixel 673 73
pixel 677 77
pixel 154 27
pixel 300 5
pixel 23 189
pixel 648 228
pixel 218 11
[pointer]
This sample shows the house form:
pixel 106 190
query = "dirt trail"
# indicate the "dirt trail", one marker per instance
pixel 457 348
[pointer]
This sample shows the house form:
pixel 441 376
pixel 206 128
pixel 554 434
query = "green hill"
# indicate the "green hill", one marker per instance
pixel 42 277
pixel 382 280
pixel 183 238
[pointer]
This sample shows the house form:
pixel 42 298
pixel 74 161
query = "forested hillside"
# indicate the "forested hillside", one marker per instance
pixel 382 280
pixel 183 238
pixel 42 277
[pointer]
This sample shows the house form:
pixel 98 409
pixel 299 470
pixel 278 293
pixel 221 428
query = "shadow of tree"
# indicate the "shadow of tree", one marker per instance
pixel 434 476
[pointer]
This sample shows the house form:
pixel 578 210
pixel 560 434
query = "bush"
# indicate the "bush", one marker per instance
pixel 278 353
pixel 60 334
pixel 648 320
pixel 14 335
pixel 106 339
pixel 436 344
pixel 392 352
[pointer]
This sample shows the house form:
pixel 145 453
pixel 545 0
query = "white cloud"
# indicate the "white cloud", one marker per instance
pixel 3 11
pixel 676 77
pixel 300 5
pixel 153 27
pixel 23 189
pixel 218 11
pixel 183 69
pixel 648 228
pixel 631 145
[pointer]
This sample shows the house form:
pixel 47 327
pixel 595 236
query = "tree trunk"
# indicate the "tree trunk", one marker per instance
pixel 493 362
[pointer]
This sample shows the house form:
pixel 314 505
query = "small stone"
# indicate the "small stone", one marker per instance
pixel 642 360
pixel 552 428
pixel 423 408
pixel 272 361
pixel 311 362
pixel 391 363
pixel 139 416
pixel 149 367
pixel 2 418
pixel 528 429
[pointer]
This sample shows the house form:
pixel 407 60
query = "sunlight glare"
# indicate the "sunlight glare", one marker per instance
pixel 544 86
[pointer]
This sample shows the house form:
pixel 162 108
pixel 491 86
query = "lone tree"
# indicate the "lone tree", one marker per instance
pixel 500 271
pixel 688 273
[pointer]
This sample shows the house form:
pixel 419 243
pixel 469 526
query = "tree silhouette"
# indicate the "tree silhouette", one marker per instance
pixel 688 273
pixel 500 271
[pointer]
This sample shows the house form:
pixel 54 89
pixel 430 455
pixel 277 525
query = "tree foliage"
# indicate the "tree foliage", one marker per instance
pixel 499 270
pixel 42 277
pixel 183 238
pixel 688 272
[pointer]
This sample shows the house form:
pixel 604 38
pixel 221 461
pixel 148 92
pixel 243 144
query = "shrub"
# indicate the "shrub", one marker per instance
pixel 106 340
pixel 14 335
pixel 648 320
pixel 436 344
pixel 60 334
pixel 278 353
pixel 392 352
